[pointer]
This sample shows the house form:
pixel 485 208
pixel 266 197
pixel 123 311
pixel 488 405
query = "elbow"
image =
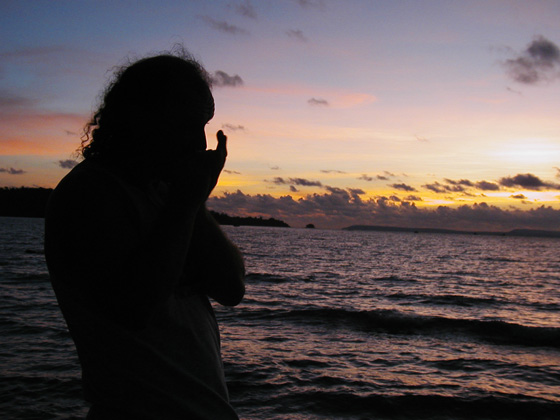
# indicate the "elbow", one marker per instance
pixel 232 295
pixel 230 301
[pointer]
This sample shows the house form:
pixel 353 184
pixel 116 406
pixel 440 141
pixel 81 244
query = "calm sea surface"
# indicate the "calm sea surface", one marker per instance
pixel 335 325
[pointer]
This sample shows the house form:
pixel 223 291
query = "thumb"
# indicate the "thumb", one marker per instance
pixel 222 141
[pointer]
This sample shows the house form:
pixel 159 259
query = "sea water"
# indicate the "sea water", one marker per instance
pixel 335 325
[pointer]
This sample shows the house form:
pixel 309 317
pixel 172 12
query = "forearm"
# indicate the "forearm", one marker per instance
pixel 214 264
pixel 167 246
pixel 145 277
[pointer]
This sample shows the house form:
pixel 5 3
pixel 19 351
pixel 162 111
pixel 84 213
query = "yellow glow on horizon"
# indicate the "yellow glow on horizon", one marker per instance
pixel 236 182
pixel 536 196
pixel 529 151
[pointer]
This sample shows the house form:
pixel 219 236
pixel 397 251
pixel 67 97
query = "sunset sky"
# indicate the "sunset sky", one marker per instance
pixel 408 113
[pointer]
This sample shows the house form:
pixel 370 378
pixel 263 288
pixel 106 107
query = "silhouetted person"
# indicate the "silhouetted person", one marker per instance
pixel 133 253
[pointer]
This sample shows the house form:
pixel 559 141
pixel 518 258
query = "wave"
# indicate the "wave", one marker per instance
pixel 502 259
pixel 455 300
pixel 393 278
pixel 541 375
pixel 347 405
pixel 266 278
pixel 272 278
pixel 41 397
pixel 395 322
pixel 546 306
pixel 37 251
pixel 459 300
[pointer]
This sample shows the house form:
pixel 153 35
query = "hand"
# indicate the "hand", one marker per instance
pixel 195 179
pixel 220 157
pixel 215 160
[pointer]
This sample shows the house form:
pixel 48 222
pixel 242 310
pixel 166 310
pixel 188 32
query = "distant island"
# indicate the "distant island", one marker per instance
pixel 24 201
pixel 515 232
pixel 32 202
pixel 224 219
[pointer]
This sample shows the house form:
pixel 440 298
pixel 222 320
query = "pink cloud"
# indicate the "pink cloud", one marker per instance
pixel 335 98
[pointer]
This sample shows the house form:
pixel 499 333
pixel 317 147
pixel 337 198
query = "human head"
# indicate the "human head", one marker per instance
pixel 154 108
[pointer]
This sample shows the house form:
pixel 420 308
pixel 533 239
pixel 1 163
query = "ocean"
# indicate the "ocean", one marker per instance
pixel 335 325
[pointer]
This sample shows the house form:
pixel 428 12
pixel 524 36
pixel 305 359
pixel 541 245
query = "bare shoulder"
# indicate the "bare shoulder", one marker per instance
pixel 85 190
pixel 86 209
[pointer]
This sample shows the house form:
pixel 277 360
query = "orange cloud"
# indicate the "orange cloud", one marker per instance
pixel 36 133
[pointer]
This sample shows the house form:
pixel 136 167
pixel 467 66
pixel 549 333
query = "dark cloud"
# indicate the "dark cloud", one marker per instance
pixel 557 172
pixel 232 127
pixel 390 174
pixel 435 187
pixel 462 182
pixel 224 26
pixel 332 171
pixel 455 188
pixel 385 177
pixel 9 100
pixel 539 62
pixel 461 186
pixel 413 198
pixel 527 181
pixel 514 91
pixel 293 189
pixel 306 4
pixel 297 34
pixel 337 196
pixel 278 180
pixel 67 164
pixel 12 171
pixel 403 187
pixel 275 168
pixel 338 208
pixel 295 181
pixel 221 78
pixel 518 196
pixel 305 182
pixel 227 171
pixel 318 102
pixel 458 185
pixel 336 190
pixel 487 186
pixel 245 9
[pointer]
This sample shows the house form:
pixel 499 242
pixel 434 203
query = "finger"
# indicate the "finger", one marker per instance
pixel 222 141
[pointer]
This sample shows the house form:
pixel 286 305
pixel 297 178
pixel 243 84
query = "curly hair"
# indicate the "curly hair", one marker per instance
pixel 147 107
